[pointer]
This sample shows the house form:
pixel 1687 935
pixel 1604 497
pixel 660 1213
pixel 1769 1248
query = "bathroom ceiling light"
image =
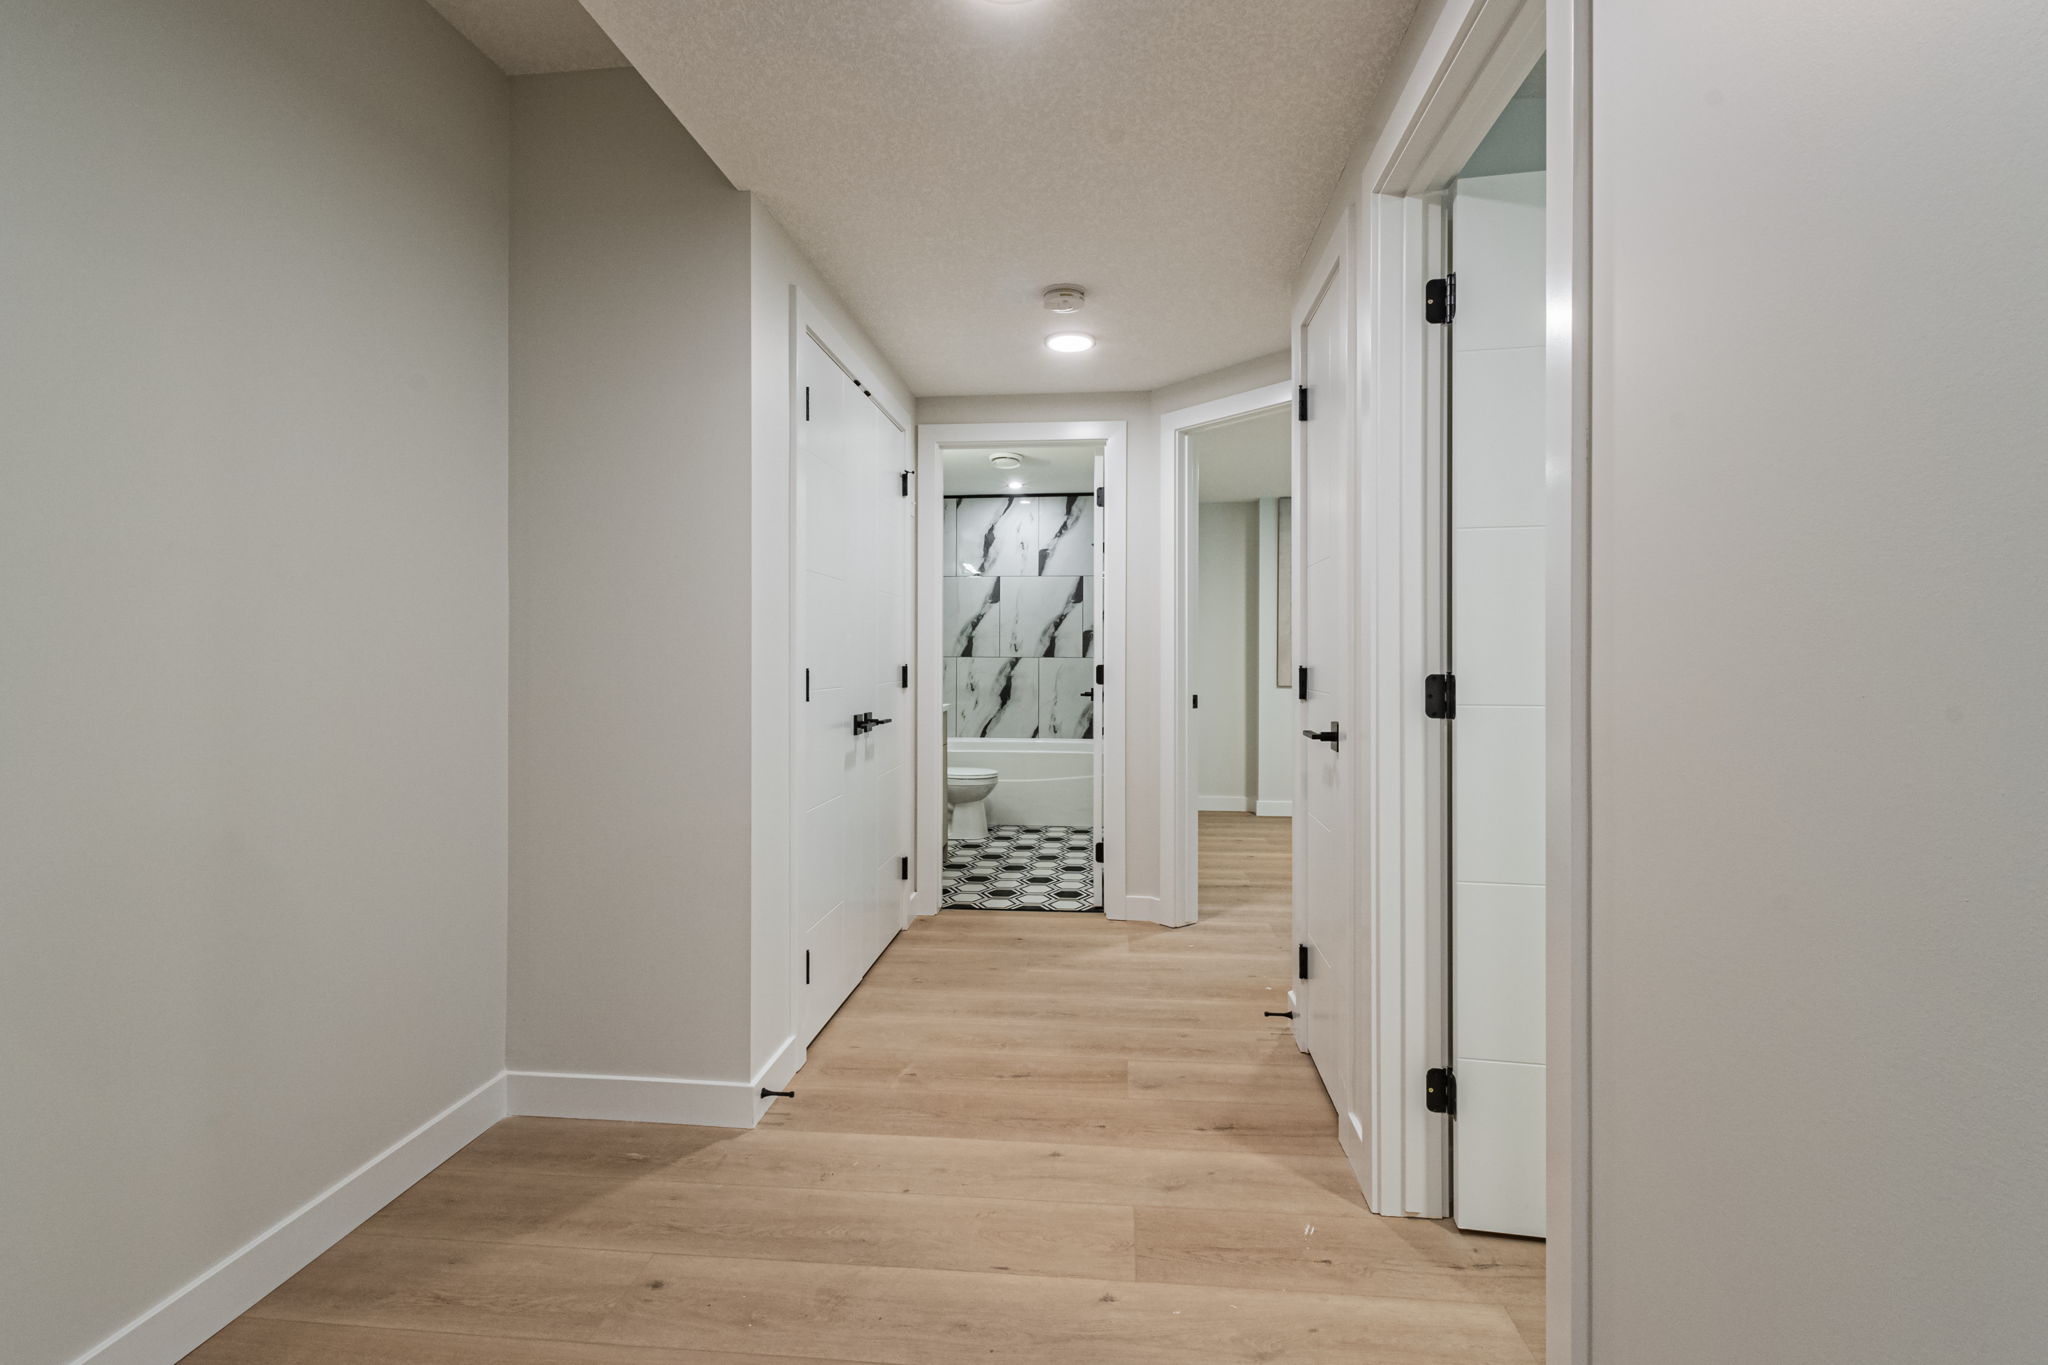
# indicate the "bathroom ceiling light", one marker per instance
pixel 1070 341
pixel 1005 459
pixel 1016 483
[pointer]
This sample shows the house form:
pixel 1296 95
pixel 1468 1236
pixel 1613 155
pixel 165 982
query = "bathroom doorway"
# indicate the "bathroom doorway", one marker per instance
pixel 1018 668
pixel 1017 800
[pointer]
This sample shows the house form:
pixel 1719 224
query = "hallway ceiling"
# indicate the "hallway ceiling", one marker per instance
pixel 943 161
pixel 529 37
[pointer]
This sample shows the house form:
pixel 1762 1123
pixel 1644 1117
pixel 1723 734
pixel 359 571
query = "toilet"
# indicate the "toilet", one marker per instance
pixel 966 789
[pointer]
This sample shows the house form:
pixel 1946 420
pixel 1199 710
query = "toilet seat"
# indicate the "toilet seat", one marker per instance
pixel 970 774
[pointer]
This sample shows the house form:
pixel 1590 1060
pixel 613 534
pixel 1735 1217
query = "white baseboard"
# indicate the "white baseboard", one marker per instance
pixel 1274 808
pixel 175 1328
pixel 638 1099
pixel 1230 803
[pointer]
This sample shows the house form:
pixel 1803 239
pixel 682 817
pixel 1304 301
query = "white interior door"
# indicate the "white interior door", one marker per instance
pixel 1324 825
pixel 1098 563
pixel 852 774
pixel 1496 511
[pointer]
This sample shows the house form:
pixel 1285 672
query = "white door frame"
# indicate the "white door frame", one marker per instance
pixel 1112 734
pixel 1179 888
pixel 1469 66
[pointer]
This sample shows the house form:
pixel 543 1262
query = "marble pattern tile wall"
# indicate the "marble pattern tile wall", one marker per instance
pixel 1020 616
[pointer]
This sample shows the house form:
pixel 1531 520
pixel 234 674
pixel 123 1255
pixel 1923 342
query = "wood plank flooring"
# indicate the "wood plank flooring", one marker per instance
pixel 1027 1139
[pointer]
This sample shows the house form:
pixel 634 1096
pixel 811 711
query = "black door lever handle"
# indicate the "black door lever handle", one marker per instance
pixel 1328 736
pixel 866 721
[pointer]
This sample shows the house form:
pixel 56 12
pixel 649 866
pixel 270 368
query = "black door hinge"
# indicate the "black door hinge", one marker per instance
pixel 906 484
pixel 1440 1091
pixel 1440 299
pixel 1098 850
pixel 807 402
pixel 903 870
pixel 1301 682
pixel 1195 701
pixel 903 675
pixel 1440 696
pixel 807 684
pixel 1099 501
pixel 1098 675
pixel 1301 402
pixel 1301 961
pixel 807 966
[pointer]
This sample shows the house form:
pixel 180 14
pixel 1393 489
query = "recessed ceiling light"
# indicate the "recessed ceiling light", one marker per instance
pixel 1070 341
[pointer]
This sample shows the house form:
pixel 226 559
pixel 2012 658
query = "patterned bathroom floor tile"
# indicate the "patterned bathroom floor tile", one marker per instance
pixel 1021 867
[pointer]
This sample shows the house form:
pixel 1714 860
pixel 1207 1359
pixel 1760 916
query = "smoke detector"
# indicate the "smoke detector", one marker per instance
pixel 1065 298
pixel 1005 459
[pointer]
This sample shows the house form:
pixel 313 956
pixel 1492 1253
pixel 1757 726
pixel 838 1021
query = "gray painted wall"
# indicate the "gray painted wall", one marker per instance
pixel 253 593
pixel 631 563
pixel 1820 878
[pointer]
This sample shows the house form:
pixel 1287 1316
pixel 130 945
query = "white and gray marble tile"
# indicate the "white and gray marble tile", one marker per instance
pixel 948 686
pixel 997 699
pixel 1066 534
pixel 974 618
pixel 948 533
pixel 1066 699
pixel 1045 618
pixel 995 536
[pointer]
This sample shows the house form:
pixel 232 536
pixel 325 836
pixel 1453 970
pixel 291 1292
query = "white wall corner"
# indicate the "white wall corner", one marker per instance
pixel 180 1323
pixel 1274 807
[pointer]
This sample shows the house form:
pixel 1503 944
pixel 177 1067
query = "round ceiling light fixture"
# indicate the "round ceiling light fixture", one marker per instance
pixel 1005 459
pixel 1064 298
pixel 1070 341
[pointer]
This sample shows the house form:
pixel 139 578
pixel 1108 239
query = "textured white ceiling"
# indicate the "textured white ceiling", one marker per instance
pixel 942 161
pixel 530 37
pixel 1245 457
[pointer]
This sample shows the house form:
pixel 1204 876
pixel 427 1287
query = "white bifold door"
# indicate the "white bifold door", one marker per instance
pixel 1325 891
pixel 852 774
pixel 1496 597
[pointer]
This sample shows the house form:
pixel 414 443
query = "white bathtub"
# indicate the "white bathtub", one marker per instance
pixel 1038 781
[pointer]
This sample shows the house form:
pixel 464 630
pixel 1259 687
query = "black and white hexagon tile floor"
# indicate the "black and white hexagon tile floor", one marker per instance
pixel 1022 867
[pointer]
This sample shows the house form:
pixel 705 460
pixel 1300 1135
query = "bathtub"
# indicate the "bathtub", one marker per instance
pixel 1038 781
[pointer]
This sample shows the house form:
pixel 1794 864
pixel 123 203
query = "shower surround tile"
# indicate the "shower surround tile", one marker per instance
pixel 1066 534
pixel 995 536
pixel 974 618
pixel 1066 699
pixel 1046 618
pixel 996 698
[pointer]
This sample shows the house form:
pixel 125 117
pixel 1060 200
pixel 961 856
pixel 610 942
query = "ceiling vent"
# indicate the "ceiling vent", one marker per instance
pixel 1065 298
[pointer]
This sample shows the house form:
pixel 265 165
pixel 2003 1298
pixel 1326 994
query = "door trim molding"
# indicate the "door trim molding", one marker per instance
pixel 1179 801
pixel 1111 651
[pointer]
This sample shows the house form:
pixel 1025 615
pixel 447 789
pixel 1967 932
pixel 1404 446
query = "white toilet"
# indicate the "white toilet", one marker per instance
pixel 966 790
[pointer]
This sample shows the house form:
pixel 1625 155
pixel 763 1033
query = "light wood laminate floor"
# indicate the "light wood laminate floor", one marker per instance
pixel 1028 1139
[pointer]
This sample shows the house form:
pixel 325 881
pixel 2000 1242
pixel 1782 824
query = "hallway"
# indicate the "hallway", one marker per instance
pixel 1027 1138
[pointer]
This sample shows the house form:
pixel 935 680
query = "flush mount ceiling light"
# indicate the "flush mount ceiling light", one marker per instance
pixel 1005 459
pixel 1070 341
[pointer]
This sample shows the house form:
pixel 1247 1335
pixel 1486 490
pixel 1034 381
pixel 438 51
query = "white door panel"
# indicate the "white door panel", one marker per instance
pixel 1496 580
pixel 1499 929
pixel 1324 824
pixel 853 588
pixel 1499 1164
